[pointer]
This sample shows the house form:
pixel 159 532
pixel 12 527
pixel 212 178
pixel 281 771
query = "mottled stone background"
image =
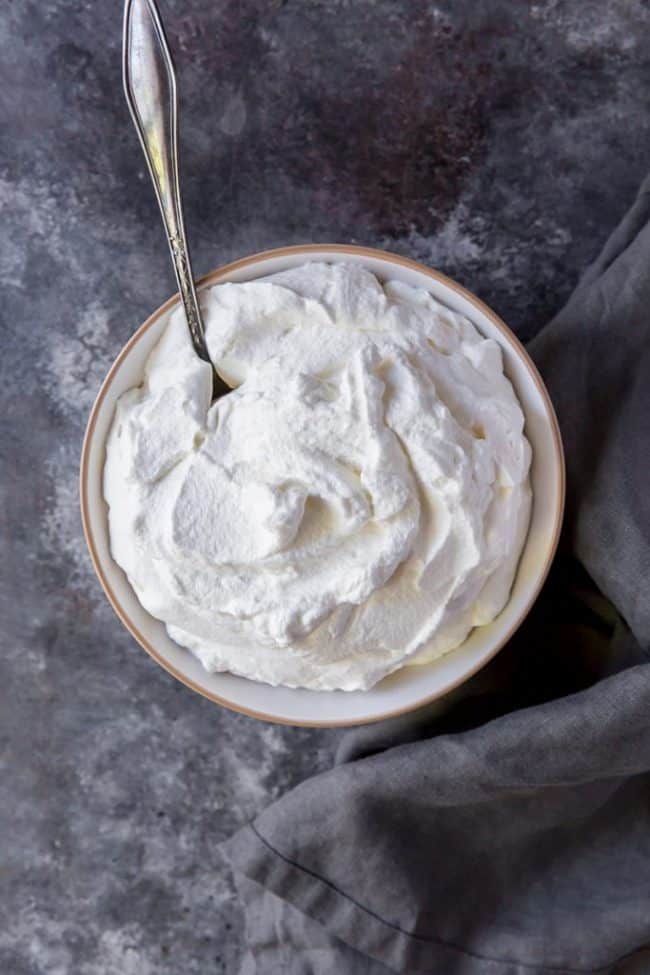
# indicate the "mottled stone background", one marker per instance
pixel 496 139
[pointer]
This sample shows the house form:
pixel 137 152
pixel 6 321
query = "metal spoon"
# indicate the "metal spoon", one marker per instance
pixel 150 88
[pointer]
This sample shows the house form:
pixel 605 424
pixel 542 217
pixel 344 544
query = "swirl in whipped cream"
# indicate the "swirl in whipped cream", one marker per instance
pixel 358 502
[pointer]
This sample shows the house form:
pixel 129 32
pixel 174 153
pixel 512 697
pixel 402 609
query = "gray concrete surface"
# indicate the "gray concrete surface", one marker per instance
pixel 498 140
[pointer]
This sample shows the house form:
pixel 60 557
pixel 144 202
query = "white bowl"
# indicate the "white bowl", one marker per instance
pixel 410 687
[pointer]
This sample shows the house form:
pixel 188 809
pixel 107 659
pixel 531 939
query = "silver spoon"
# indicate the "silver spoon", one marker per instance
pixel 150 88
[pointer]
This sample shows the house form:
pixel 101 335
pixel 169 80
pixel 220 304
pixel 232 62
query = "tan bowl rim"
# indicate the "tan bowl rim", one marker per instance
pixel 211 278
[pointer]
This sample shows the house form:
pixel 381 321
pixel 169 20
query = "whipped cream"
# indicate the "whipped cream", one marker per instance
pixel 358 502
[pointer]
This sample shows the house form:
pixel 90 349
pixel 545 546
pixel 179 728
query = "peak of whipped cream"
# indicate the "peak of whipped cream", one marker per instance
pixel 358 502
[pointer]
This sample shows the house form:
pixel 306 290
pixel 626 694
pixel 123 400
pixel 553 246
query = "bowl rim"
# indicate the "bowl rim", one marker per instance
pixel 212 277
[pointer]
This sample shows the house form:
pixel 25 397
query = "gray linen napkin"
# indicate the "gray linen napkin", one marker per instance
pixel 521 845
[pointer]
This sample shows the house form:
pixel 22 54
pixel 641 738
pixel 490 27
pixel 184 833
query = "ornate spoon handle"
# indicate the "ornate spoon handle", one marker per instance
pixel 150 87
